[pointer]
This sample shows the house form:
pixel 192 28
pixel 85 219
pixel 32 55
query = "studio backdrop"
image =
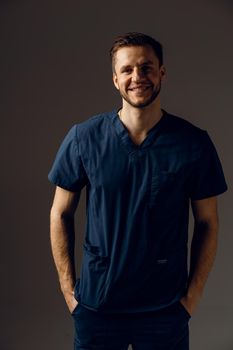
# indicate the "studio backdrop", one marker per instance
pixel 55 72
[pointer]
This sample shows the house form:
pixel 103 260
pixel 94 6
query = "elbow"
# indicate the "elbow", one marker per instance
pixel 208 225
pixel 57 214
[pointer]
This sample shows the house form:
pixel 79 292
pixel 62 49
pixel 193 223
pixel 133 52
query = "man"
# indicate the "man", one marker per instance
pixel 141 167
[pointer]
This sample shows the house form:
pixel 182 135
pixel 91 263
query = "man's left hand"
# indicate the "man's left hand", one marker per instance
pixel 190 303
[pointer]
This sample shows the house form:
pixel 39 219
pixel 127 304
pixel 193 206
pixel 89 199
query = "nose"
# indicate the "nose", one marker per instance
pixel 138 74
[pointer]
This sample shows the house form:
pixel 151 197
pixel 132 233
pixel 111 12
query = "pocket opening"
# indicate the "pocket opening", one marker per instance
pixel 184 309
pixel 75 309
pixel 93 277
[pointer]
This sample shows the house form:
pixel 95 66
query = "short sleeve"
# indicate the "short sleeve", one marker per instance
pixel 67 170
pixel 207 177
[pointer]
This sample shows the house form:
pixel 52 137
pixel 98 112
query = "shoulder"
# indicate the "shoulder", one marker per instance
pixel 187 137
pixel 94 125
pixel 186 131
pixel 182 125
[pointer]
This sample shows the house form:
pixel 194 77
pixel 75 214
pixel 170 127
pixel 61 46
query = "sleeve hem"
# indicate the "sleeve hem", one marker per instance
pixel 210 194
pixel 63 185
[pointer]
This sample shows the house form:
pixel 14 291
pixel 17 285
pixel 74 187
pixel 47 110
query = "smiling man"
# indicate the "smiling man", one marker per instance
pixel 144 63
pixel 137 74
pixel 142 168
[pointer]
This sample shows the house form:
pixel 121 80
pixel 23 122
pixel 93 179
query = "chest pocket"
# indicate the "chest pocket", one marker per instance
pixel 162 186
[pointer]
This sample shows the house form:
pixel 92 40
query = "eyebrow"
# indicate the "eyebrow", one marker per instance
pixel 142 64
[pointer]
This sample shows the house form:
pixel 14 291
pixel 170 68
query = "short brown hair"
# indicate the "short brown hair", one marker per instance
pixel 135 39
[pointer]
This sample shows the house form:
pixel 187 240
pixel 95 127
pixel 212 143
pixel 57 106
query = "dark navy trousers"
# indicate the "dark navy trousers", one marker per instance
pixel 165 329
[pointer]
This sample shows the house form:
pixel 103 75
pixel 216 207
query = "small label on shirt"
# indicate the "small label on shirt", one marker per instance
pixel 162 261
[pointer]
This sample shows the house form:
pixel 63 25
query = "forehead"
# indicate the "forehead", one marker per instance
pixel 135 55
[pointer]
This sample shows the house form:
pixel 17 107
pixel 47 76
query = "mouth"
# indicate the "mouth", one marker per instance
pixel 140 89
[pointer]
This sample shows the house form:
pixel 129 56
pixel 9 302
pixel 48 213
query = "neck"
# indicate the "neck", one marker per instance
pixel 139 120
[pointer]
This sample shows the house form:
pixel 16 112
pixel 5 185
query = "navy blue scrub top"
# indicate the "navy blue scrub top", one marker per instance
pixel 135 245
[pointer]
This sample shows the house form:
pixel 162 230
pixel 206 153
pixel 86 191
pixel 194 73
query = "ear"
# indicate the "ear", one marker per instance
pixel 163 72
pixel 115 80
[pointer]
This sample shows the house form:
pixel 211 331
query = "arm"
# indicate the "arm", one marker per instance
pixel 62 237
pixel 203 249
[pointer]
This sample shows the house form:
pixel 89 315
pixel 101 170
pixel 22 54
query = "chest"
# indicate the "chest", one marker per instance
pixel 114 169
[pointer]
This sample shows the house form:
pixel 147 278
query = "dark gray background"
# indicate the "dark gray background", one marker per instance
pixel 55 72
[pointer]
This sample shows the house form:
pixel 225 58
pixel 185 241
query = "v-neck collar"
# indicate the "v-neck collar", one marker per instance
pixel 123 133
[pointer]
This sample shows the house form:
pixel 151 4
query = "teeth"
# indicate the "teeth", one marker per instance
pixel 140 89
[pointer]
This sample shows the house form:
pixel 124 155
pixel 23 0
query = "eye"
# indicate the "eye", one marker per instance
pixel 145 68
pixel 127 70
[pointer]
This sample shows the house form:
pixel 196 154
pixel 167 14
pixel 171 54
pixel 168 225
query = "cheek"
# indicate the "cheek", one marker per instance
pixel 155 75
pixel 123 84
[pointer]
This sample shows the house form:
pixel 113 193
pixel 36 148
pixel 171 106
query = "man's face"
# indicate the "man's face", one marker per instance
pixel 138 75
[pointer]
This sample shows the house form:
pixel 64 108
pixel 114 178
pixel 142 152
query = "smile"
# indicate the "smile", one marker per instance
pixel 140 89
